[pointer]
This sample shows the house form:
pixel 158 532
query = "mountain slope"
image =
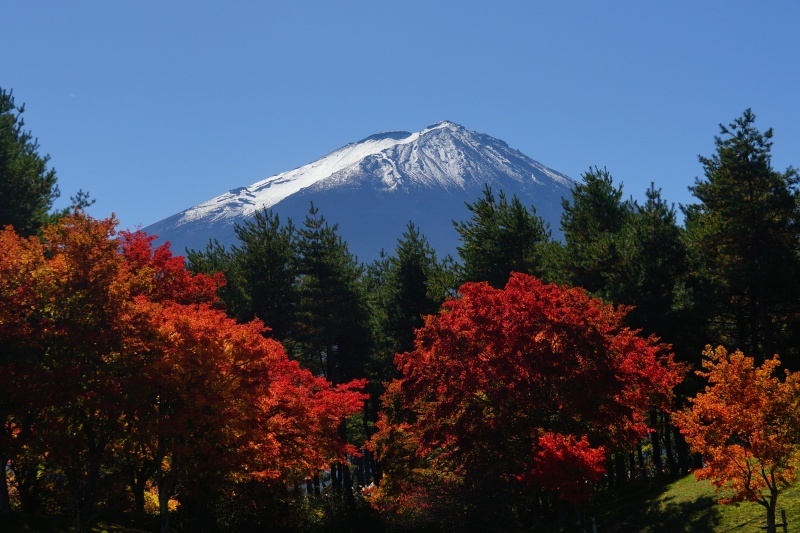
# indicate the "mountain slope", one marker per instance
pixel 373 187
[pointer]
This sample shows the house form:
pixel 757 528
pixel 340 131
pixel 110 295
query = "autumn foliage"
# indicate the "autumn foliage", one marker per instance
pixel 515 390
pixel 114 357
pixel 745 424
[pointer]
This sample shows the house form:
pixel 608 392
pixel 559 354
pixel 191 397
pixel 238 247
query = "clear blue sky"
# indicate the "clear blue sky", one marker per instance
pixel 155 106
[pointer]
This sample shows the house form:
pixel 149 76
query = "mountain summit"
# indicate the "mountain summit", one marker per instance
pixel 373 187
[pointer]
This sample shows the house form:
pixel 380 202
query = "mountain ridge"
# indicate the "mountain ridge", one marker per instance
pixel 372 188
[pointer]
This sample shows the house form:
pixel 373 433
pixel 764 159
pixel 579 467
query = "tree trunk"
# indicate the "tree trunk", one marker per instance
pixel 683 450
pixel 655 442
pixel 164 494
pixel 632 465
pixel 5 504
pixel 619 465
pixel 85 492
pixel 347 481
pixel 610 471
pixel 640 457
pixel 665 431
pixel 336 483
pixel 137 488
pixel 771 518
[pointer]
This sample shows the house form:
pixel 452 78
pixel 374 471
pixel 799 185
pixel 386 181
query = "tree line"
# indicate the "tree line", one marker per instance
pixel 280 380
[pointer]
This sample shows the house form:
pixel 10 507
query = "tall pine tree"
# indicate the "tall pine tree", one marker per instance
pixel 743 236
pixel 501 237
pixel 333 332
pixel 590 223
pixel 27 186
pixel 266 258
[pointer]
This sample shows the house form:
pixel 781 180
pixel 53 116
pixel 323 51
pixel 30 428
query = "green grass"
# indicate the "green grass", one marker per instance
pixel 686 505
pixel 41 524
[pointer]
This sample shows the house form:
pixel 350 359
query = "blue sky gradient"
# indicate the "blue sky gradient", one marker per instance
pixel 154 107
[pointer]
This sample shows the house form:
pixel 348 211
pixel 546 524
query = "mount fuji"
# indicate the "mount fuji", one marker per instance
pixel 372 189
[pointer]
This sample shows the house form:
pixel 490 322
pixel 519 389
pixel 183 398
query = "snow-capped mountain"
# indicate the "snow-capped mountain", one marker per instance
pixel 374 187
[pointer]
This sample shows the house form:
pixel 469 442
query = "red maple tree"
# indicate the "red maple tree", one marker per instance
pixel 525 386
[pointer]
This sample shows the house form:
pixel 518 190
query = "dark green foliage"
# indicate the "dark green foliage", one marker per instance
pixel 215 258
pixel 411 288
pixel 260 272
pixel 27 187
pixel 627 253
pixel 650 264
pixel 500 238
pixel 267 265
pixel 743 240
pixel 590 223
pixel 332 321
pixel 402 289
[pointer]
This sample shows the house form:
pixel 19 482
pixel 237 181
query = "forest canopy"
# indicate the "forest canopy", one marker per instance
pixel 280 384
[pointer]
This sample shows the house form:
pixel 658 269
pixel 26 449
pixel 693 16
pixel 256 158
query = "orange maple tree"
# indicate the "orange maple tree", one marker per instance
pixel 516 389
pixel 745 424
pixel 21 277
pixel 113 353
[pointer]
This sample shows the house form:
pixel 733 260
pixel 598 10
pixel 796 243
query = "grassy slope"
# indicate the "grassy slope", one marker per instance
pixel 684 505
pixel 41 524
pixel 687 505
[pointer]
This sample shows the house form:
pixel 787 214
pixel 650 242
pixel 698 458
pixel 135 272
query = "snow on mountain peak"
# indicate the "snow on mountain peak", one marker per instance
pixel 270 191
pixel 393 175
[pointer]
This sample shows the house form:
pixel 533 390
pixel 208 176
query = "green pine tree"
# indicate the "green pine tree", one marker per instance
pixel 651 266
pixel 743 237
pixel 216 258
pixel 266 259
pixel 260 273
pixel 590 223
pixel 27 186
pixel 333 320
pixel 402 289
pixel 501 237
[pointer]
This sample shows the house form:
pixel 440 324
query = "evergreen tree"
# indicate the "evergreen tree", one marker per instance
pixel 333 320
pixel 333 334
pixel 266 258
pixel 216 258
pixel 742 235
pixel 652 264
pixel 500 238
pixel 590 223
pixel 260 272
pixel 412 293
pixel 27 187
pixel 402 289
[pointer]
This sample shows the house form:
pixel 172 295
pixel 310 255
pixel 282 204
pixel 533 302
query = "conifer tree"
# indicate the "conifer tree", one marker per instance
pixel 27 186
pixel 260 272
pixel 501 237
pixel 333 334
pixel 266 258
pixel 216 258
pixel 412 289
pixel 743 235
pixel 652 263
pixel 590 223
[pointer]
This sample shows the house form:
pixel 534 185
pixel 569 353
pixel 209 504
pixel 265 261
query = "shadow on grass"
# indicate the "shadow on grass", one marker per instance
pixel 48 524
pixel 650 511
